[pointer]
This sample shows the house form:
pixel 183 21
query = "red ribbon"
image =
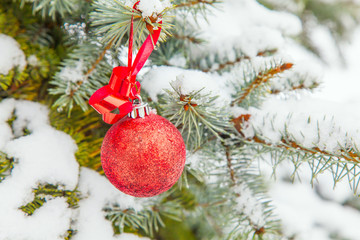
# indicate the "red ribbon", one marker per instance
pixel 123 87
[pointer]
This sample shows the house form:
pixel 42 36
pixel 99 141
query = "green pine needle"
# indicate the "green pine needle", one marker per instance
pixel 112 22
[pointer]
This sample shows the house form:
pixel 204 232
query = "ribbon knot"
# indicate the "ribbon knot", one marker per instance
pixel 123 87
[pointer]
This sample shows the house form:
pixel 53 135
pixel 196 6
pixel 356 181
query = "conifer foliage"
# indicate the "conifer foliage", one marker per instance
pixel 210 85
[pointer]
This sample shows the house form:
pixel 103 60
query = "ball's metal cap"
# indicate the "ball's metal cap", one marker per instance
pixel 140 109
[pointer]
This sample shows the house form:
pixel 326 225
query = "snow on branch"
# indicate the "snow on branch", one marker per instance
pixel 239 190
pixel 253 81
pixel 46 183
pixel 44 148
pixel 11 57
pixel 320 143
pixel 78 79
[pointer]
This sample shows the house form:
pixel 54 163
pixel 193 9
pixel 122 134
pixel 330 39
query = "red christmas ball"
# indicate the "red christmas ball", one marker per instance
pixel 143 157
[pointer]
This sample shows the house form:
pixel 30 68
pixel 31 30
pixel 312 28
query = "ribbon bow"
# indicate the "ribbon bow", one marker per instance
pixel 123 87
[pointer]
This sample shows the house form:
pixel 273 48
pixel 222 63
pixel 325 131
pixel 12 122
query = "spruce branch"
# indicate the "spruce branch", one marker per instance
pixel 13 79
pixel 147 221
pixel 226 64
pixel 218 61
pixel 351 155
pixel 260 79
pixel 70 234
pixel 9 24
pixel 347 151
pixel 295 88
pixel 184 39
pixel 341 165
pixel 294 82
pixel 44 191
pixel 256 227
pixel 98 60
pixel 89 71
pixel 253 215
pixel 341 161
pixel 223 65
pixel 52 8
pixel 112 22
pixel 196 118
pixel 78 79
pixel 6 165
pixel 249 211
pixel 166 51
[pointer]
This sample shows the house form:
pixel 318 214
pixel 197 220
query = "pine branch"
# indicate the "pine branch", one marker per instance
pixel 261 78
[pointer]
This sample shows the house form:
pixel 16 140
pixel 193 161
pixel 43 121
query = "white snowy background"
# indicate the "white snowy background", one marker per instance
pixel 47 155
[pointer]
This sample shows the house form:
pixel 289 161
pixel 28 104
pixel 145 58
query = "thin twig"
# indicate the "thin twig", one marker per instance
pixel 238 60
pixel 287 144
pixel 294 88
pixel 229 164
pixel 189 38
pixel 227 64
pixel 261 79
pixel 93 66
pixel 101 56
pixel 195 2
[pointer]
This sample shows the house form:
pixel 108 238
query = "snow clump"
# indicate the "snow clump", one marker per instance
pixel 11 55
pixel 44 155
pixel 150 7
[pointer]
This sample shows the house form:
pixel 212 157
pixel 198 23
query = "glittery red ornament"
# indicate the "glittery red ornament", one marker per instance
pixel 143 157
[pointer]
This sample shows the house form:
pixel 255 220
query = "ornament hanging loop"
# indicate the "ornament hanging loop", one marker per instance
pixel 123 87
pixel 140 109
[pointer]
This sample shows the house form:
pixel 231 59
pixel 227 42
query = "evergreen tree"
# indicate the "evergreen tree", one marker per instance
pixel 213 92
